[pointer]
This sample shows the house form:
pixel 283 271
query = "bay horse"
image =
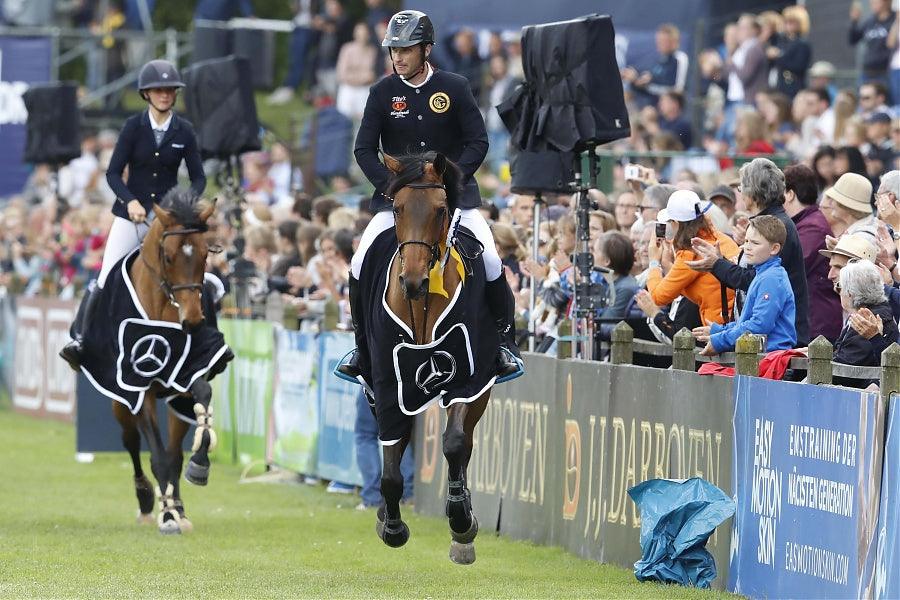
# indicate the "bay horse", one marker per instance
pixel 167 281
pixel 424 192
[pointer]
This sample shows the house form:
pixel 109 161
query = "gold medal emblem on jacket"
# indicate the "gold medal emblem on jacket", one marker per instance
pixel 439 102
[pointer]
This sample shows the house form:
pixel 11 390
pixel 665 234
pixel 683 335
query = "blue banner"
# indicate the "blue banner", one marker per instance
pixel 887 570
pixel 295 404
pixel 806 475
pixel 337 407
pixel 22 61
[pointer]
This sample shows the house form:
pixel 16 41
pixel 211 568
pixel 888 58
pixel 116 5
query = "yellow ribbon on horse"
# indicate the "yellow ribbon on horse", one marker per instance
pixel 436 275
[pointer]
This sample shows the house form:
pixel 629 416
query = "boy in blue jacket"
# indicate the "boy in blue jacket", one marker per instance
pixel 770 307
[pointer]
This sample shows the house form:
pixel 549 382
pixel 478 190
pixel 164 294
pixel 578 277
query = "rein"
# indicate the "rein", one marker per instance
pixel 163 282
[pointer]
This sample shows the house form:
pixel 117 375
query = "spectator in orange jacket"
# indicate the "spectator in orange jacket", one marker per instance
pixel 686 217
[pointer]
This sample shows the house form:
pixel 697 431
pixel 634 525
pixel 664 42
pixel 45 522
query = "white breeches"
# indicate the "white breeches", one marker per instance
pixel 471 218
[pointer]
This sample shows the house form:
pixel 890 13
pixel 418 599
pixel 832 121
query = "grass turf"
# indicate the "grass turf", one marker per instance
pixel 67 530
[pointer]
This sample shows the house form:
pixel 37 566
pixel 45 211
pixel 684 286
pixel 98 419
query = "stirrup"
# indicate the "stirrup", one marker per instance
pixel 519 364
pixel 345 365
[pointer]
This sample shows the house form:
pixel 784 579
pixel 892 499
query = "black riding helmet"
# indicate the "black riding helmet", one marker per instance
pixel 408 28
pixel 158 74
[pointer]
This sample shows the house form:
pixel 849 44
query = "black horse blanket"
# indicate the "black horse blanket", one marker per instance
pixel 401 377
pixel 126 352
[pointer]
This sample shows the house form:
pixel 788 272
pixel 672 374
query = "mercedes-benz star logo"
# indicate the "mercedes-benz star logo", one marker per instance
pixel 437 371
pixel 150 354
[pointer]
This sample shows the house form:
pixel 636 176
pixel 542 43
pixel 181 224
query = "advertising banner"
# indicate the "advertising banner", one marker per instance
pixel 295 404
pixel 247 387
pixel 887 567
pixel 337 409
pixel 44 384
pixel 625 425
pixel 23 60
pixel 805 477
pixel 558 448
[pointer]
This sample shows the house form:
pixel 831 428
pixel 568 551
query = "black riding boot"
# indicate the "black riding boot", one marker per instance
pixel 71 352
pixel 502 305
pixel 352 368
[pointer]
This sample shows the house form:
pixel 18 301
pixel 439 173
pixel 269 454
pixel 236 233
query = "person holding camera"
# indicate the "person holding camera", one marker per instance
pixel 152 145
pixel 420 108
pixel 685 215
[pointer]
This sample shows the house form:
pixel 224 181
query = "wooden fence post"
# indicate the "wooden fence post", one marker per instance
pixel 621 344
pixel 890 370
pixel 564 330
pixel 289 317
pixel 746 360
pixel 683 351
pixel 821 352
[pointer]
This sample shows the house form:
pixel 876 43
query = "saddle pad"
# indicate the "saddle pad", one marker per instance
pixel 405 377
pixel 126 352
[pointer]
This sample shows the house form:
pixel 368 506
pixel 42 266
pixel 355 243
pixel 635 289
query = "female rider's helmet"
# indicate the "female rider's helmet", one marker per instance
pixel 158 74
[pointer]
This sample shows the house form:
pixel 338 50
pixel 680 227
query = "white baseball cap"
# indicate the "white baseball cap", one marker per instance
pixel 683 206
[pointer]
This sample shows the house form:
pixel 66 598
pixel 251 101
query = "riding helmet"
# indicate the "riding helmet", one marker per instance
pixel 159 74
pixel 408 28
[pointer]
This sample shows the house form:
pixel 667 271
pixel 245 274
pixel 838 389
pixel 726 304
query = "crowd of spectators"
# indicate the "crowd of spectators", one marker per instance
pixel 763 96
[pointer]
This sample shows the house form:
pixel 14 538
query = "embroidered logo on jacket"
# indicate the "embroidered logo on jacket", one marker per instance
pixel 439 102
pixel 399 108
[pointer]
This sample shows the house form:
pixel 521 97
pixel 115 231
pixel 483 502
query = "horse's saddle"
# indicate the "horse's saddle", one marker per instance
pixel 125 352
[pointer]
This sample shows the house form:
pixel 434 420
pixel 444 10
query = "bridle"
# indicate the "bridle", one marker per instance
pixel 163 281
pixel 434 249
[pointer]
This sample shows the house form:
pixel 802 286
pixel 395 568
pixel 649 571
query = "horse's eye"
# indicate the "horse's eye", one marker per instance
pixel 396 211
pixel 169 260
pixel 441 213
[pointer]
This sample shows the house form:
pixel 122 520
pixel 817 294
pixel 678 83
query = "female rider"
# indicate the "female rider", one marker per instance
pixel 152 144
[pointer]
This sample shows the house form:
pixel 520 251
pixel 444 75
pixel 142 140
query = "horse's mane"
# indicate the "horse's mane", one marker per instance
pixel 182 204
pixel 413 170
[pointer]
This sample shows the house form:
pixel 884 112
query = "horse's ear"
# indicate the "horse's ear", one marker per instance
pixel 164 217
pixel 207 212
pixel 440 164
pixel 392 163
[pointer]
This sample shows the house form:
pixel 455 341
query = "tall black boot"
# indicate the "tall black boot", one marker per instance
pixel 352 368
pixel 502 305
pixel 71 352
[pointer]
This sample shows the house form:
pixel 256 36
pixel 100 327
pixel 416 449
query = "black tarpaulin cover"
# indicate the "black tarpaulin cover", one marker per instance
pixel 219 102
pixel 572 95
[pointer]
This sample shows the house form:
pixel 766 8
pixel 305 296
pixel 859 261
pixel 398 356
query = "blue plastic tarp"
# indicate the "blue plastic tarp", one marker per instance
pixel 677 518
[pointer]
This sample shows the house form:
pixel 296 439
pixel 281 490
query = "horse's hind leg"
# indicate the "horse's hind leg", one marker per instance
pixel 131 439
pixel 461 420
pixel 390 526
pixel 197 471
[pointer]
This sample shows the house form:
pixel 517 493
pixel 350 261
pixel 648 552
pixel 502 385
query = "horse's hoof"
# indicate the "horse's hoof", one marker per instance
pixel 462 554
pixel 145 518
pixel 469 536
pixel 169 527
pixel 393 536
pixel 186 526
pixel 196 474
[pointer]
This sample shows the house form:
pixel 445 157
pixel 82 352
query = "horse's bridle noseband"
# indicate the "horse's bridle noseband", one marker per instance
pixel 435 248
pixel 167 288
